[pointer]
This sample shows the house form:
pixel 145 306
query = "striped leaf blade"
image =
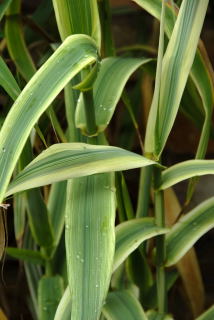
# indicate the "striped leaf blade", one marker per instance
pixel 177 62
pixel 188 230
pixel 185 170
pixel 70 160
pixel 120 304
pixel 130 234
pixel 107 89
pixel 90 242
pixel 78 17
pixel 71 57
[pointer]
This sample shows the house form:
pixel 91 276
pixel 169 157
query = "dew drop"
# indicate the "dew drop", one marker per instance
pixel 86 226
pixel 97 285
pixel 3 150
pixel 82 260
pixel 77 256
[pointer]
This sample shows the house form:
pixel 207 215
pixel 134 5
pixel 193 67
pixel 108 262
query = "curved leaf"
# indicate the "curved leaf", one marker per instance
pixel 72 56
pixel 188 230
pixel 130 234
pixel 107 90
pixel 63 311
pixel 122 304
pixel 70 160
pixel 185 170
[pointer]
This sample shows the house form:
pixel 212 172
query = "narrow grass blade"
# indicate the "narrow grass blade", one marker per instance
pixel 3 7
pixel 26 255
pixel 177 63
pixel 130 234
pixel 107 90
pixel 78 17
pixel 185 170
pixel 72 56
pixel 207 315
pixel 50 291
pixel 188 230
pixel 7 81
pixel 16 43
pixel 120 304
pixel 90 242
pixel 63 311
pixel 70 160
pixel 56 208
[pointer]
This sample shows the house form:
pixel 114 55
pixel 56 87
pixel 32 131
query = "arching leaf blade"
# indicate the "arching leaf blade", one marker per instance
pixel 72 56
pixel 188 230
pixel 130 234
pixel 71 160
pixel 108 88
pixel 185 170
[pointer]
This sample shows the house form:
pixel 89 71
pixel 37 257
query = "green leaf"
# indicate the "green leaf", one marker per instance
pixel 63 311
pixel 16 44
pixel 71 57
pixel 78 17
pixel 154 315
pixel 70 160
pixel 207 315
pixel 120 304
pixel 188 230
pixel 90 242
pixel 3 7
pixel 2 234
pixel 7 81
pixel 107 90
pixel 26 255
pixel 50 291
pixel 185 170
pixel 177 62
pixel 130 234
pixel 19 208
pixel 56 208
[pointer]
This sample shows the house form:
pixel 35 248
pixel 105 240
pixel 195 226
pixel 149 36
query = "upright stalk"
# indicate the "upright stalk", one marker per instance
pixel 160 245
pixel 89 112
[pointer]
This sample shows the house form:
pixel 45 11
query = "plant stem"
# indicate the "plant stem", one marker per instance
pixel 144 192
pixel 160 245
pixel 89 112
